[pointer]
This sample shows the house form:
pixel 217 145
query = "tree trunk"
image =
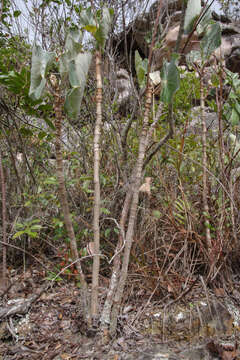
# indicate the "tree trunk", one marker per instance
pixel 96 211
pixel 133 212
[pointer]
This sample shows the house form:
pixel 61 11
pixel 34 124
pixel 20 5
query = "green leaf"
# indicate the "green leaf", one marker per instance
pixel 100 31
pixel 141 69
pixel 78 70
pixel 18 234
pixel 49 123
pixel 234 119
pixel 192 13
pixel 32 234
pixel 86 17
pixel 36 227
pixel 74 41
pixel 15 82
pixel 91 29
pixel 170 81
pixel 17 13
pixel 106 22
pixel 211 40
pixel 25 131
pixel 105 211
pixel 50 181
pixel 99 37
pixel 41 60
pixel 42 135
pixel 107 232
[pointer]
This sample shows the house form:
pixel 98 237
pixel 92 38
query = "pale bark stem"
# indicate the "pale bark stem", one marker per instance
pixel 4 224
pixel 205 191
pixel 96 211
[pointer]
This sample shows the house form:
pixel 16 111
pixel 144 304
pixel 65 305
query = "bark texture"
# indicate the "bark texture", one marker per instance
pixel 97 199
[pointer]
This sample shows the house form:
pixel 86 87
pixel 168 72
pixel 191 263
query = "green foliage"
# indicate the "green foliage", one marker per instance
pixel 14 52
pixel 30 228
pixel 52 276
pixel 15 82
pixel 78 70
pixel 188 92
pixel 209 43
pixel 211 40
pixel 141 69
pixel 192 12
pixel 232 105
pixel 99 25
pixel 170 80
pixel 41 61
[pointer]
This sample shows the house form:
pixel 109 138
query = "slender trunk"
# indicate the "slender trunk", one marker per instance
pixel 118 279
pixel 106 312
pixel 64 201
pixel 96 211
pixel 133 212
pixel 204 163
pixel 4 224
pixel 223 178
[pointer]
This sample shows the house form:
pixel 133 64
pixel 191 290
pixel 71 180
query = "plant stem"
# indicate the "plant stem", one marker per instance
pixel 4 224
pixel 96 210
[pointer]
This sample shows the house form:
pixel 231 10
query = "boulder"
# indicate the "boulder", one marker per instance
pixel 137 33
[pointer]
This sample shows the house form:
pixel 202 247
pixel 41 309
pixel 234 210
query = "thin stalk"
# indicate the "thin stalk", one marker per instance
pixel 4 223
pixel 204 165
pixel 96 210
pixel 117 282
pixel 133 212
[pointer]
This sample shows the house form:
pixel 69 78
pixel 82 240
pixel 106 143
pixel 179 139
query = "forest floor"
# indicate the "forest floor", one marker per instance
pixel 50 327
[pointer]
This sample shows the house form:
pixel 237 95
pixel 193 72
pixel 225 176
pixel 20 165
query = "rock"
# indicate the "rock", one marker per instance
pixel 188 323
pixel 138 30
pixel 195 125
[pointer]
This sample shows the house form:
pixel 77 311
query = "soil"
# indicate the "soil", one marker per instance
pixel 51 327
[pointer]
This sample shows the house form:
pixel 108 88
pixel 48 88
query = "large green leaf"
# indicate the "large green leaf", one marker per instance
pixel 141 69
pixel 235 117
pixel 41 60
pixel 73 47
pixel 192 12
pixel 86 17
pixel 211 40
pixel 73 102
pixel 170 81
pixel 74 41
pixel 78 70
pixel 105 24
pixel 100 31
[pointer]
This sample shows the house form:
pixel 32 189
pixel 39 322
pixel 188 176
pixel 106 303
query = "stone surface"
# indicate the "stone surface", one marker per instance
pixel 136 36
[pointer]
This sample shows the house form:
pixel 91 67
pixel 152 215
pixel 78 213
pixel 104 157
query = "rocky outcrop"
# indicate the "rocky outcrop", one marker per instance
pixel 136 37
